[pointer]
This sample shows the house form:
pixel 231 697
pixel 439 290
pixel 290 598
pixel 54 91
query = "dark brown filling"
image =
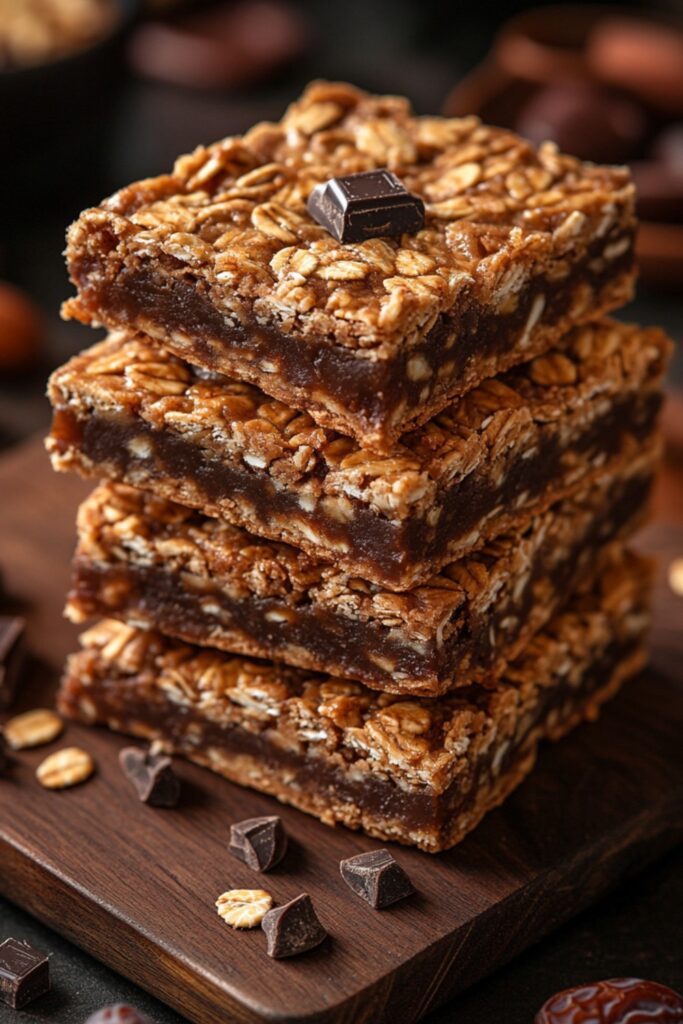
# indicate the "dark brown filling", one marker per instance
pixel 378 548
pixel 334 642
pixel 125 703
pixel 177 300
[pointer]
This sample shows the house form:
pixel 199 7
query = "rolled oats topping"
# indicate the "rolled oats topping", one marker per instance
pixel 222 262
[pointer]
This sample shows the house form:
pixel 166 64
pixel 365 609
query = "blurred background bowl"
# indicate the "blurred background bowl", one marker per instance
pixel 605 84
pixel 52 118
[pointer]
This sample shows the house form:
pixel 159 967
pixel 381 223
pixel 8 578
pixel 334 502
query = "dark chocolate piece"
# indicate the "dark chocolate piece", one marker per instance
pixel 152 775
pixel 24 973
pixel 293 928
pixel 377 878
pixel 260 842
pixel 371 204
pixel 12 656
pixel 616 1001
pixel 119 1013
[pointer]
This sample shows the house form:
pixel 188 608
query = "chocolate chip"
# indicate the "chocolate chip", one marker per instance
pixel 293 928
pixel 152 775
pixel 24 973
pixel 377 878
pixel 371 204
pixel 615 1001
pixel 119 1013
pixel 259 842
pixel 12 656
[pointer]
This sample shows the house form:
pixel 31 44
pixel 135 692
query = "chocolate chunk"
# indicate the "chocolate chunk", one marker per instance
pixel 615 1001
pixel 152 775
pixel 12 656
pixel 119 1013
pixel 24 973
pixel 377 878
pixel 293 928
pixel 259 842
pixel 371 204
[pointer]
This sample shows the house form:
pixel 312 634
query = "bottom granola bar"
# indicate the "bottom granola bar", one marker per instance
pixel 419 771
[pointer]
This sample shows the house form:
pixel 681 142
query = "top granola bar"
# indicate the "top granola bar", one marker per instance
pixel 221 262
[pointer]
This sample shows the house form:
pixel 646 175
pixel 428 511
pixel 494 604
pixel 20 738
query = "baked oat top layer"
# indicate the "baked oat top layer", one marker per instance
pixel 419 741
pixel 233 215
pixel 227 419
pixel 122 525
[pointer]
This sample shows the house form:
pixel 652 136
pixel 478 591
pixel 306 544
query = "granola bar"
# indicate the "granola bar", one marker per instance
pixel 158 565
pixel 414 770
pixel 130 411
pixel 221 262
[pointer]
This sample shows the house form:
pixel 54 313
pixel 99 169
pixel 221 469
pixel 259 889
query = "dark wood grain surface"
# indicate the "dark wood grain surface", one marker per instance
pixel 136 886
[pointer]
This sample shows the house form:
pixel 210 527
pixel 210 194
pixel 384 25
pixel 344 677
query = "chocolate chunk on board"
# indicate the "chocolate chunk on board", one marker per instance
pixel 24 973
pixel 377 878
pixel 293 928
pixel 118 1013
pixel 371 204
pixel 152 776
pixel 12 656
pixel 260 842
pixel 615 1001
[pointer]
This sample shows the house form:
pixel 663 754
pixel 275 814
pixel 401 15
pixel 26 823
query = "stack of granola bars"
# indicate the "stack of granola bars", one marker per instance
pixel 395 461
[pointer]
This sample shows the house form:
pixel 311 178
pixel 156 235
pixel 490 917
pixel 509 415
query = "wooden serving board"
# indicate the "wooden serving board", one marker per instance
pixel 136 886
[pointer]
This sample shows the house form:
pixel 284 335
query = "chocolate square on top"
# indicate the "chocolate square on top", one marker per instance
pixel 370 204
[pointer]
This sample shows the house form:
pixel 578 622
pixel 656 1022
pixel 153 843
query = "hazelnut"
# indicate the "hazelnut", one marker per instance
pixel 21 330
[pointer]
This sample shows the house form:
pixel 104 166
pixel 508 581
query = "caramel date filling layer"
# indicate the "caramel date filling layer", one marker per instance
pixel 156 565
pixel 411 769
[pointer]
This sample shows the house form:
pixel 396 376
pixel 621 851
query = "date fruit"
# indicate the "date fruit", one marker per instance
pixel 615 1001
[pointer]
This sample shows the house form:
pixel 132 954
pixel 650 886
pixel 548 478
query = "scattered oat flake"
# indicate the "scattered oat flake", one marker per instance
pixel 676 576
pixel 244 908
pixel 33 728
pixel 65 768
